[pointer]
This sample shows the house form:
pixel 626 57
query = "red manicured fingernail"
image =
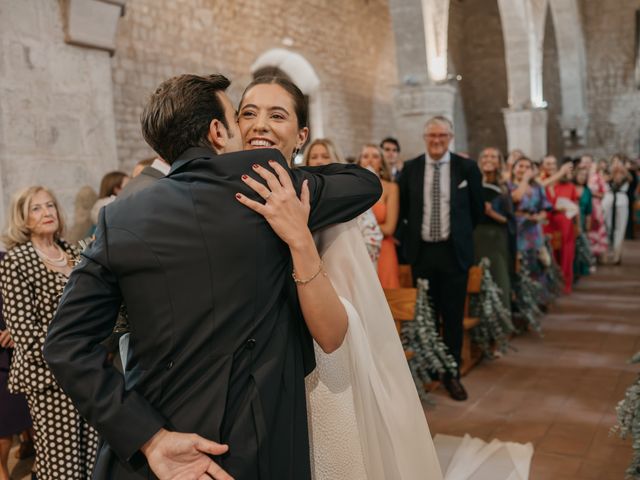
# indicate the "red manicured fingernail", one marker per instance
pixel 255 165
pixel 238 196
pixel 244 177
pixel 272 161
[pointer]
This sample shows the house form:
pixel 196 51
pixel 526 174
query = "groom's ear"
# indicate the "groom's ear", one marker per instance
pixel 218 135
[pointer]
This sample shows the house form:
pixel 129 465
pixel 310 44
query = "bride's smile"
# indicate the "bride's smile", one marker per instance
pixel 268 119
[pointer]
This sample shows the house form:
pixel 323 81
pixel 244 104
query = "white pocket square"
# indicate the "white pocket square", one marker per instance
pixel 462 184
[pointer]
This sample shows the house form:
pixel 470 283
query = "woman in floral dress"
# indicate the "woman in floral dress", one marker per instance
pixel 597 234
pixel 531 206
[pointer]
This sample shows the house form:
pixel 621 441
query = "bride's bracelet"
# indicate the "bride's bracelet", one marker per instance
pixel 303 282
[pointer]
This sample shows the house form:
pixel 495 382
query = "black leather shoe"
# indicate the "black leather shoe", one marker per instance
pixel 455 389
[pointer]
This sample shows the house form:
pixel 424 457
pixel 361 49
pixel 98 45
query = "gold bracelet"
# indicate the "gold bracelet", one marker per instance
pixel 310 279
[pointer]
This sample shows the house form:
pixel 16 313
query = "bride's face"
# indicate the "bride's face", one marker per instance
pixel 267 119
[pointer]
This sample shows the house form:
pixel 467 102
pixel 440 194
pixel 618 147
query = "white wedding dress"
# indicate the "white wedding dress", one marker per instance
pixel 366 421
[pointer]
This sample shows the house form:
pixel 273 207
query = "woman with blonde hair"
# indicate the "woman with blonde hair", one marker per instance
pixel 32 276
pixel 386 210
pixel 491 238
pixel 322 151
pixel 615 206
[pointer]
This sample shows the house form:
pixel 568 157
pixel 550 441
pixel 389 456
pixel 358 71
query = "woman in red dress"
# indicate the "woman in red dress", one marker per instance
pixel 563 197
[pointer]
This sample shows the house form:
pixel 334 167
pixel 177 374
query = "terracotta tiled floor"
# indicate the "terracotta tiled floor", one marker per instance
pixel 560 391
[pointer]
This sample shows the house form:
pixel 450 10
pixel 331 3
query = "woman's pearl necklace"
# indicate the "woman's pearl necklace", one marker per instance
pixel 60 262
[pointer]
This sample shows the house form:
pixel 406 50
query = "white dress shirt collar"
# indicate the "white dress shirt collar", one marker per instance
pixel 161 166
pixel 446 158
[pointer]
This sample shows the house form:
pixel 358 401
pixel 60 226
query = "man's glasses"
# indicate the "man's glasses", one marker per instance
pixel 437 136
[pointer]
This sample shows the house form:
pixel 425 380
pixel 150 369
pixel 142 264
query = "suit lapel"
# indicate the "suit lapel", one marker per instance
pixel 455 181
pixel 418 181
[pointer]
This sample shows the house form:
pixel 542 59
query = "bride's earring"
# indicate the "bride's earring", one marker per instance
pixel 295 153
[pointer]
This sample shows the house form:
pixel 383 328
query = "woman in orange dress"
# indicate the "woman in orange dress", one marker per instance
pixel 386 211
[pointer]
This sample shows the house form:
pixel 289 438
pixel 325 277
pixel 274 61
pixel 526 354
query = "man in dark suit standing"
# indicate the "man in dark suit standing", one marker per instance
pixel 440 205
pixel 218 342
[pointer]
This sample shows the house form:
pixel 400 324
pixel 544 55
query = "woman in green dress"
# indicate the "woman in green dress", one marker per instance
pixel 491 236
pixel 584 256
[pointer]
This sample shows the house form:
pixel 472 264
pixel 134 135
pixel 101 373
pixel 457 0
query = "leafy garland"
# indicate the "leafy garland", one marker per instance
pixel 628 412
pixel 555 279
pixel 584 255
pixel 430 354
pixel 528 294
pixel 495 327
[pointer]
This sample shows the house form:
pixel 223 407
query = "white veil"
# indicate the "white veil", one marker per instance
pixel 395 438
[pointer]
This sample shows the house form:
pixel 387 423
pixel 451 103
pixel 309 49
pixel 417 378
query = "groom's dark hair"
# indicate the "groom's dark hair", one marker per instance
pixel 178 114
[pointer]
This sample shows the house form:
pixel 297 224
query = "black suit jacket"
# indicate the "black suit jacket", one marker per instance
pixel 216 331
pixel 146 178
pixel 467 206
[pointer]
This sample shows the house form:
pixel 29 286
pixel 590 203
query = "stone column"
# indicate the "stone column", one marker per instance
pixel 414 105
pixel 420 28
pixel 527 131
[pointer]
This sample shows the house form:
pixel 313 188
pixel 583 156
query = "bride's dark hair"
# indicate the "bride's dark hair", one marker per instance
pixel 300 103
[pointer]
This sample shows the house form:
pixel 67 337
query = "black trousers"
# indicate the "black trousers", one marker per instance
pixel 447 290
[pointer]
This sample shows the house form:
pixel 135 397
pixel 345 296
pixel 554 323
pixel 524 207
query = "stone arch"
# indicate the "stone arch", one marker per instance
pixel 302 73
pixel 571 47
pixel 523 29
pixel 523 24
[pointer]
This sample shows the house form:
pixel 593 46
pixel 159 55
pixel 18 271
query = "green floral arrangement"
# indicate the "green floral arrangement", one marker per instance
pixel 495 327
pixel 528 295
pixel 584 255
pixel 555 279
pixel 430 354
pixel 628 412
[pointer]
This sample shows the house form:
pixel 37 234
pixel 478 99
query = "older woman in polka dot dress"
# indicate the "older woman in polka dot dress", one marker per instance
pixel 32 276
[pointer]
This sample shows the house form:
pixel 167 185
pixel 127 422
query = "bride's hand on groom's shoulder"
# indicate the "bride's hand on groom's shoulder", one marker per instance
pixel 184 456
pixel 287 214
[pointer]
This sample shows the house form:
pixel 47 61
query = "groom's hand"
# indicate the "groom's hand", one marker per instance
pixel 184 456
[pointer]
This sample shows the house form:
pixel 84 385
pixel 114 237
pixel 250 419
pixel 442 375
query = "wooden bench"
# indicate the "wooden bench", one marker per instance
pixel 402 302
pixel 406 278
pixel 471 354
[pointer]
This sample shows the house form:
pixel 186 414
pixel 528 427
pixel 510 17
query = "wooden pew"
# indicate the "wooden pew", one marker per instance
pixel 406 278
pixel 402 302
pixel 471 354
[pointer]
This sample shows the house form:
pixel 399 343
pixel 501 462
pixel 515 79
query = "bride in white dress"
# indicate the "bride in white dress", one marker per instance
pixel 366 421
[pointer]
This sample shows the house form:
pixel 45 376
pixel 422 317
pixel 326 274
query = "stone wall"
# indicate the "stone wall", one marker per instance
pixel 613 100
pixel 477 51
pixel 349 44
pixel 552 93
pixel 56 105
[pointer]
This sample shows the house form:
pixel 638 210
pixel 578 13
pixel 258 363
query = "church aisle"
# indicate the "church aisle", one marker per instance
pixel 559 392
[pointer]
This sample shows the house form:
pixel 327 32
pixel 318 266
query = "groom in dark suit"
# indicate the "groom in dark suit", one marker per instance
pixel 440 205
pixel 218 343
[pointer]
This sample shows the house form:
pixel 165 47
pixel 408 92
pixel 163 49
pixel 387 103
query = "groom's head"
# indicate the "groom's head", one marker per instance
pixel 190 111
